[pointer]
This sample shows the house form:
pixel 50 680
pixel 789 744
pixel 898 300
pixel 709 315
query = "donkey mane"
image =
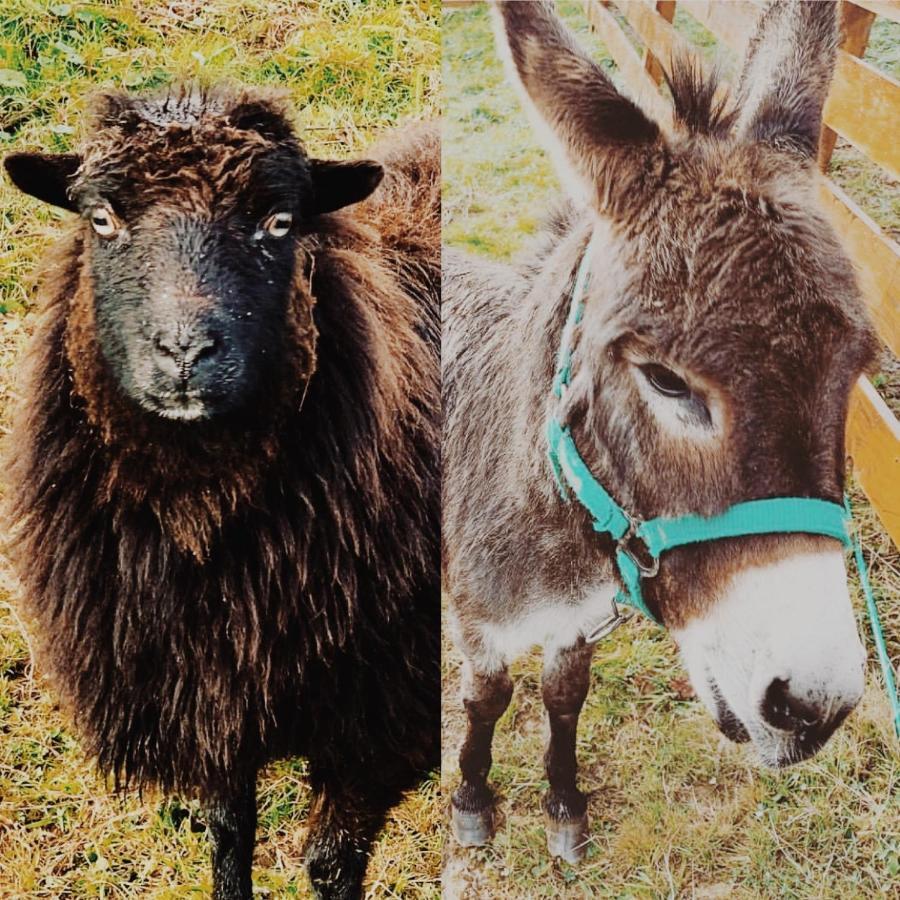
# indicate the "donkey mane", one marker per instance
pixel 702 105
pixel 701 102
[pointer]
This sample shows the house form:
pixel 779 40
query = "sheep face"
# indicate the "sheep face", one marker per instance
pixel 194 207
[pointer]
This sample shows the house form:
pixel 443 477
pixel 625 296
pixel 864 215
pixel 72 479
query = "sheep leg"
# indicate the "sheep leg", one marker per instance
pixel 232 829
pixel 344 821
pixel 564 687
pixel 485 697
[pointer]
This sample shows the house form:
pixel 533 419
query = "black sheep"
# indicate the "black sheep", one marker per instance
pixel 223 480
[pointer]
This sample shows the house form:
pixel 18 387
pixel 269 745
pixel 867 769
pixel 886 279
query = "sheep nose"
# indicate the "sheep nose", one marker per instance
pixel 178 351
pixel 803 714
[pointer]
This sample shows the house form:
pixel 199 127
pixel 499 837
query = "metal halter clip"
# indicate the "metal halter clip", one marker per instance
pixel 647 564
pixel 608 625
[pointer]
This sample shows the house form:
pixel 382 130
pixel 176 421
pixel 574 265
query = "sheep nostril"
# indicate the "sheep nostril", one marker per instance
pixel 203 350
pixel 178 355
pixel 163 347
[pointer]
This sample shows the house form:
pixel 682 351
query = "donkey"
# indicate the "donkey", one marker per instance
pixel 720 336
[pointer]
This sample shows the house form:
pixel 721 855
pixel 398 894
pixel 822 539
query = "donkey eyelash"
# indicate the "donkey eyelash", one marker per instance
pixel 666 382
pixel 669 385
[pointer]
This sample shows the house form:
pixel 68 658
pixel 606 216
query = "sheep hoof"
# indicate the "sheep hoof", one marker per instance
pixel 567 839
pixel 472 829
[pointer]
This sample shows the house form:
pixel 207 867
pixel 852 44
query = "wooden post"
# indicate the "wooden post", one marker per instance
pixel 856 23
pixel 666 8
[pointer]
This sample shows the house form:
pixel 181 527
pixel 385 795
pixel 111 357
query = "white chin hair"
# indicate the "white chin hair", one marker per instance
pixel 789 620
pixel 188 412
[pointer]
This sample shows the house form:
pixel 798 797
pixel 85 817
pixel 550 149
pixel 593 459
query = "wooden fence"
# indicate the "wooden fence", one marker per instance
pixel 863 107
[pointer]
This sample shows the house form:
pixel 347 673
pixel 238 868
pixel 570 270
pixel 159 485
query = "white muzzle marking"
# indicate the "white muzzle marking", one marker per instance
pixel 790 620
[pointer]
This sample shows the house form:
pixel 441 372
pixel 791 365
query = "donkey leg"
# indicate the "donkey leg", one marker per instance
pixel 232 830
pixel 564 687
pixel 485 696
pixel 344 821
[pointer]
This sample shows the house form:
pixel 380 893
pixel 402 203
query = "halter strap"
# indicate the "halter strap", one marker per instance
pixel 773 515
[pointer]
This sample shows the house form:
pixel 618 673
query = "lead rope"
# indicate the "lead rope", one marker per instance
pixel 887 669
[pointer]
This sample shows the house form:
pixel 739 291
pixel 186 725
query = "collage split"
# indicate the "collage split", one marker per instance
pixel 449 449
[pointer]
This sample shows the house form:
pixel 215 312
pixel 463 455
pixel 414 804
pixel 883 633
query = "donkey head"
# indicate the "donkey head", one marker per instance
pixel 722 335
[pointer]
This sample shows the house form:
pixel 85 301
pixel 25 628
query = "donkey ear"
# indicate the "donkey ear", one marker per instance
pixel 591 130
pixel 44 175
pixel 338 184
pixel 786 73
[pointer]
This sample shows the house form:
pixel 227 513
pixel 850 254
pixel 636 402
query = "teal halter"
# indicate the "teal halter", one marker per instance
pixel 776 515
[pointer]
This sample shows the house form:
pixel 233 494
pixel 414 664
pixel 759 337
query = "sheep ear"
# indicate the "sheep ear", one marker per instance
pixel 786 73
pixel 44 175
pixel 594 134
pixel 338 184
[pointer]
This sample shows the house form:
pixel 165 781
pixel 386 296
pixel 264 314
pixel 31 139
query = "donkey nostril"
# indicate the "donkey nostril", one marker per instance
pixel 784 711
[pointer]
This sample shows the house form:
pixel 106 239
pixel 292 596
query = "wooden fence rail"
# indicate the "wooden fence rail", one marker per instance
pixel 863 107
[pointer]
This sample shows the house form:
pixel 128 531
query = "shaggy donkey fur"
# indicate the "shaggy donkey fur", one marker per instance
pixel 213 595
pixel 721 335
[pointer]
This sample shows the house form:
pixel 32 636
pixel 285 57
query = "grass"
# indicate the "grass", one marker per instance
pixel 354 69
pixel 677 811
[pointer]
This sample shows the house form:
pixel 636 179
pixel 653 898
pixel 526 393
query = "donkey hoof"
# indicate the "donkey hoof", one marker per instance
pixel 567 839
pixel 472 829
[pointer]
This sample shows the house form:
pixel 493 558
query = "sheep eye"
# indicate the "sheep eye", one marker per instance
pixel 103 222
pixel 664 381
pixel 278 224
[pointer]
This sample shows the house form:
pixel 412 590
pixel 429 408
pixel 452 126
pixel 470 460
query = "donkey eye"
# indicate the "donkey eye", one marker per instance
pixel 664 381
pixel 103 221
pixel 278 224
